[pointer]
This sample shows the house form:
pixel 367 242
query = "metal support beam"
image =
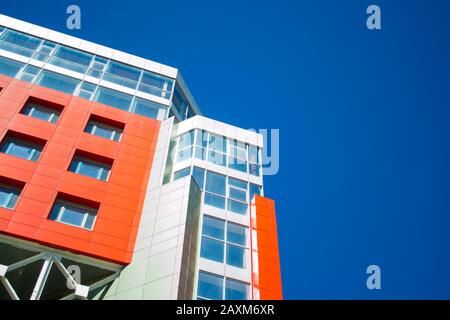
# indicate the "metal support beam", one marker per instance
pixel 95 286
pixel 9 288
pixel 40 283
pixel 65 273
pixel 22 263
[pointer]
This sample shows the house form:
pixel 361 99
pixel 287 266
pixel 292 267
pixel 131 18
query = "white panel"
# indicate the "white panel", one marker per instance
pixel 121 56
pixel 88 46
pixel 104 51
pixel 152 66
pixel 71 41
pixel 39 31
pixel 6 21
pixel 22 26
pixel 55 36
pixel 136 61
pixel 168 71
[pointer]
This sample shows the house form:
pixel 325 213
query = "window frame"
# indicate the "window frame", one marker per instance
pixel 114 130
pixel 13 196
pixel 101 165
pixel 225 241
pixel 66 203
pixel 33 106
pixel 13 140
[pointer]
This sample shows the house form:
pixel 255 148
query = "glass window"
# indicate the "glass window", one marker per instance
pixel 156 85
pixel 103 130
pixel 217 158
pixel 73 214
pixel 179 103
pixel 254 189
pixel 21 148
pixel 236 234
pixel 254 169
pixel 182 173
pixel 236 290
pixel 217 143
pixel 87 90
pixel 122 74
pixel 9 67
pixel 213 244
pixel 237 164
pixel 19 43
pixel 8 195
pixel 210 286
pixel 184 154
pixel 237 207
pixel 200 153
pixel 213 227
pixel 212 249
pixel 237 149
pixel 71 59
pixel 149 109
pixel 186 140
pixel 214 200
pixel 45 51
pixel 29 74
pixel 41 112
pixel 202 138
pixel 215 183
pixel 236 256
pixel 113 98
pixel 199 176
pixel 253 155
pixel 90 168
pixel 57 82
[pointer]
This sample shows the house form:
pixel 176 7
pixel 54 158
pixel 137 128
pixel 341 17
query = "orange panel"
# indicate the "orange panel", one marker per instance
pixel 266 271
pixel 120 199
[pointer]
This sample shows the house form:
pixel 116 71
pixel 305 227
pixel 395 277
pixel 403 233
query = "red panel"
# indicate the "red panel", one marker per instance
pixel 266 273
pixel 120 199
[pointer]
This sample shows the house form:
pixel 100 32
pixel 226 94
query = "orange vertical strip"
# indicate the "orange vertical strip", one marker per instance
pixel 265 258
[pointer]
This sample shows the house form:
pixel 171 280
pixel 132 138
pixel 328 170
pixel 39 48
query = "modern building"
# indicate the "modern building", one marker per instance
pixel 114 186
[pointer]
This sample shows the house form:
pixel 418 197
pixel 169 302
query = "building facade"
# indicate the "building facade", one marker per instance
pixel 114 186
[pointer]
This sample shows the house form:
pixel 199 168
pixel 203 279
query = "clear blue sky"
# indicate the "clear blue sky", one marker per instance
pixel 363 118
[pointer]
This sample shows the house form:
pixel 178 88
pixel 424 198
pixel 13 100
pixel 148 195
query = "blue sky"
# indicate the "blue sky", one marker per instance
pixel 363 117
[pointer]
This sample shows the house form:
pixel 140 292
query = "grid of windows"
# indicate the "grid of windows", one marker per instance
pixel 74 214
pixel 86 63
pixel 219 150
pixel 215 287
pixel 224 242
pixel 221 191
pixel 94 66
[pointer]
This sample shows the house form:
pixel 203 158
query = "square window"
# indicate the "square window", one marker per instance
pixel 235 256
pixel 22 146
pixel 104 128
pixel 42 110
pixel 90 165
pixel 9 192
pixel 236 290
pixel 210 286
pixel 213 227
pixel 212 249
pixel 72 211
